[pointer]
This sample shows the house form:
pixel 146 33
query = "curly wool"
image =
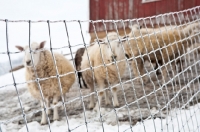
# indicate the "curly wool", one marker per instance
pixel 101 73
pixel 46 69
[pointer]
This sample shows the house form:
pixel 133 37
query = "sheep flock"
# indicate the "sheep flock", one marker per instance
pixel 102 64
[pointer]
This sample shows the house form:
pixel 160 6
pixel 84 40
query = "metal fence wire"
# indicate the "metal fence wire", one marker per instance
pixel 147 72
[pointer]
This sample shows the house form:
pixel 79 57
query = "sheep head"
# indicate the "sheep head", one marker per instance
pixel 114 50
pixel 35 51
pixel 135 27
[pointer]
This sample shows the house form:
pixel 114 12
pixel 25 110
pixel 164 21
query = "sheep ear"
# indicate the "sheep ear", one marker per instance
pixel 100 40
pixel 42 44
pixel 127 56
pixel 96 40
pixel 19 48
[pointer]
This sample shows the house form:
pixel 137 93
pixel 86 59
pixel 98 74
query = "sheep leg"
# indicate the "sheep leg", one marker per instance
pixel 48 106
pixel 55 111
pixel 164 71
pixel 100 95
pixel 174 68
pixel 91 105
pixel 115 103
pixel 140 67
pixel 43 120
pixel 63 106
pixel 107 97
pixel 135 71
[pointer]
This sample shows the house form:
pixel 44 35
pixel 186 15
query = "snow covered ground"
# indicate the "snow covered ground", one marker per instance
pixel 176 122
pixel 183 120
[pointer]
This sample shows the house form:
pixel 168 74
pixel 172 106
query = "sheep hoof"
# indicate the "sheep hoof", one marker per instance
pixel 62 107
pixel 56 118
pixel 43 122
pixel 108 102
pixel 49 112
pixel 96 108
pixel 116 104
pixel 91 106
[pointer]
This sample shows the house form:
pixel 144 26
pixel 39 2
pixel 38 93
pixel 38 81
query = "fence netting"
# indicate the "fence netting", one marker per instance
pixel 141 75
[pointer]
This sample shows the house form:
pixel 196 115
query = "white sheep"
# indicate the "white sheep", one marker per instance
pixel 79 53
pixel 103 76
pixel 45 68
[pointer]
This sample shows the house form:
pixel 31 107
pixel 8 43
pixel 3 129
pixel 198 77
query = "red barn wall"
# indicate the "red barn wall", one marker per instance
pixel 129 9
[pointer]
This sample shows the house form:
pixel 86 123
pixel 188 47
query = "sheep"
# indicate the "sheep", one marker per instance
pixel 156 30
pixel 43 65
pixel 103 75
pixel 167 28
pixel 79 53
pixel 144 44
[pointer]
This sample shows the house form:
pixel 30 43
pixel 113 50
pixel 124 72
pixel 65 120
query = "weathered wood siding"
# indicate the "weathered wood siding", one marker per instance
pixel 129 9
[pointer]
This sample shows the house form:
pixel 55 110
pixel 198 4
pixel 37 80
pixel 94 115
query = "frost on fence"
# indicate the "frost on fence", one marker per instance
pixel 144 70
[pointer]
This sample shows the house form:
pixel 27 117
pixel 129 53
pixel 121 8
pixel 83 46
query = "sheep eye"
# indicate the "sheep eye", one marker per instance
pixel 35 51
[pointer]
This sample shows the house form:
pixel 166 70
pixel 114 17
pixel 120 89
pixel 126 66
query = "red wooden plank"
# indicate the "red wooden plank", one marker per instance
pixel 106 12
pixel 172 5
pixel 189 4
pixel 116 10
pixel 106 15
pixel 197 3
pixel 149 9
pixel 169 6
pixel 131 9
pixel 180 5
pixel 126 9
pixel 161 7
pixel 140 9
pixel 101 9
pixel 135 8
pixel 92 14
pixel 120 9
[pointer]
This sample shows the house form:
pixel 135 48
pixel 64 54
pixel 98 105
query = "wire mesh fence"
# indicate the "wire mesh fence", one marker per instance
pixel 149 73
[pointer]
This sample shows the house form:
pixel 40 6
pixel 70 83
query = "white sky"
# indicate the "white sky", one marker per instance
pixel 18 33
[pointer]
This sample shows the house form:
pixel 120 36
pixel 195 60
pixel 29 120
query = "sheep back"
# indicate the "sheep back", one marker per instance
pixel 145 44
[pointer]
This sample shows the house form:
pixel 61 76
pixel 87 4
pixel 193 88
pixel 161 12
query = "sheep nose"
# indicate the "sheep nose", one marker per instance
pixel 28 62
pixel 114 58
